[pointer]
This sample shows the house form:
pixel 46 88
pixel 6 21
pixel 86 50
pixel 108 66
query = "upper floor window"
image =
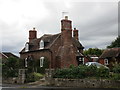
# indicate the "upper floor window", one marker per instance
pixel 41 44
pixel 106 61
pixel 26 47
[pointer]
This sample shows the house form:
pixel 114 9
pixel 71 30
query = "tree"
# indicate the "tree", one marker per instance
pixel 10 67
pixel 93 51
pixel 115 43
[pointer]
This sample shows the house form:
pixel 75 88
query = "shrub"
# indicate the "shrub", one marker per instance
pixel 116 68
pixel 81 71
pixel 116 76
pixel 10 67
pixel 102 72
pixel 91 71
pixel 33 77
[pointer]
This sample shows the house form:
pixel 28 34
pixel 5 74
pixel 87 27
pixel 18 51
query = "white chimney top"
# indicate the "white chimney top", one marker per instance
pixel 65 15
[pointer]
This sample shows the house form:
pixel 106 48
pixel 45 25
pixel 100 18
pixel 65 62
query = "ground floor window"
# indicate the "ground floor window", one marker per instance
pixel 106 61
pixel 41 61
pixel 80 60
pixel 26 62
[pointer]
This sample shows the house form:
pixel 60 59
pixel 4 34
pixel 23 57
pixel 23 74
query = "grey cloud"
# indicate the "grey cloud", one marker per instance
pixel 96 22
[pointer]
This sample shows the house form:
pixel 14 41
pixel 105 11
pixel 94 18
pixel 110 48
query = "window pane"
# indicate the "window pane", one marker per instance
pixel 41 44
pixel 41 61
pixel 26 47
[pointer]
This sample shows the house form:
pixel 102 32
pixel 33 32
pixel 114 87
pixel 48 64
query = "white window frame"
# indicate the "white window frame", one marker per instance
pixel 26 63
pixel 41 44
pixel 41 61
pixel 81 59
pixel 26 47
pixel 106 62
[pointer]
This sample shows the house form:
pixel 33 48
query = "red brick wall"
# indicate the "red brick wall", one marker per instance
pixel 54 49
pixel 67 56
pixel 75 34
pixel 66 24
pixel 32 35
pixel 66 37
pixel 36 55
pixel 101 61
pixel 67 52
pixel 86 60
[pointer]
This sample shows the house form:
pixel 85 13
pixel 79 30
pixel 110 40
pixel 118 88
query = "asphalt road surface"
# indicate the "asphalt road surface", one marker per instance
pixel 56 88
pixel 38 87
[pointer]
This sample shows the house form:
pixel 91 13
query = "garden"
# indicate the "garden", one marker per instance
pixel 11 66
pixel 83 71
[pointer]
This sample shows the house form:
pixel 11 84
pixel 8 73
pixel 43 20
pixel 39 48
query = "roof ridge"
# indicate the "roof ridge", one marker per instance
pixel 47 34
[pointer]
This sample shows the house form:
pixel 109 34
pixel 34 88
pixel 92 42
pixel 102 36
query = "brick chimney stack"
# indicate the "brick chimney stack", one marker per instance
pixel 32 34
pixel 75 34
pixel 66 31
pixel 67 52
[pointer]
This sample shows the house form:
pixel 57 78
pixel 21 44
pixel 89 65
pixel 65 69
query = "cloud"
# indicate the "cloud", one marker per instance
pixel 97 22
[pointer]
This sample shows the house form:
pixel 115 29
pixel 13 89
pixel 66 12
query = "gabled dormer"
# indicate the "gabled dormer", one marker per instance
pixel 27 47
pixel 41 44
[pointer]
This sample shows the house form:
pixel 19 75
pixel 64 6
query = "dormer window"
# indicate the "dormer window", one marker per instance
pixel 26 47
pixel 41 44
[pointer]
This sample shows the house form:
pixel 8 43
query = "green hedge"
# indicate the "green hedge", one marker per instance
pixel 116 72
pixel 116 68
pixel 82 71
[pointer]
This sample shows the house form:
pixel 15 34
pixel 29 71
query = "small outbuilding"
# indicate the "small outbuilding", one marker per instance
pixel 110 57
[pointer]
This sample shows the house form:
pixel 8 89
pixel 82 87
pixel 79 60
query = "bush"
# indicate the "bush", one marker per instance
pixel 33 77
pixel 91 71
pixel 116 76
pixel 116 68
pixel 10 67
pixel 102 72
pixel 81 71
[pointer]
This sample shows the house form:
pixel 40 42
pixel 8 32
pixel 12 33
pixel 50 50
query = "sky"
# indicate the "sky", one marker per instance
pixel 96 20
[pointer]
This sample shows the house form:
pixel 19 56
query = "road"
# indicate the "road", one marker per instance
pixel 39 87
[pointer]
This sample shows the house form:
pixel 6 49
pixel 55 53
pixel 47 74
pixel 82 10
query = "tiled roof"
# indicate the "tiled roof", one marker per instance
pixel 50 39
pixel 9 54
pixel 112 52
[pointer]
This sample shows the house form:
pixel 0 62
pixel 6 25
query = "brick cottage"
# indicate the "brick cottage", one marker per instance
pixel 60 49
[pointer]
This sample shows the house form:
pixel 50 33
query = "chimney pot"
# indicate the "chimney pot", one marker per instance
pixel 74 28
pixel 33 28
pixel 66 17
pixel 75 34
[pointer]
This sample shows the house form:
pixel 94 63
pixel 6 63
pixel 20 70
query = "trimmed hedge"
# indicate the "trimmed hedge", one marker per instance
pixel 82 71
pixel 116 68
